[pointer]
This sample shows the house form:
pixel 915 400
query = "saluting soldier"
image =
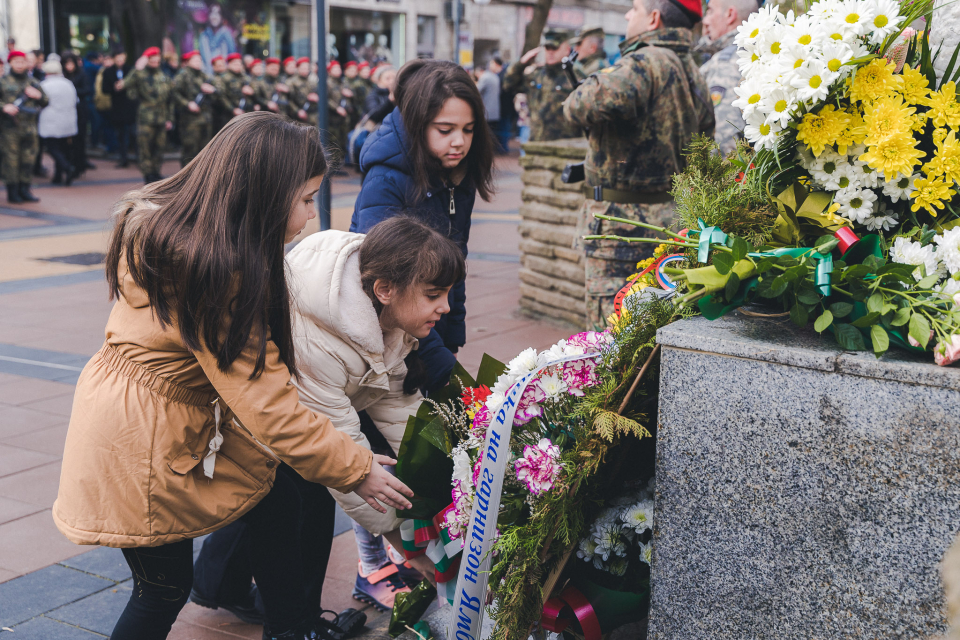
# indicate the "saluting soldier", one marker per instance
pixel 152 88
pixel 22 99
pixel 546 87
pixel 641 113
pixel 192 93
pixel 233 88
pixel 590 54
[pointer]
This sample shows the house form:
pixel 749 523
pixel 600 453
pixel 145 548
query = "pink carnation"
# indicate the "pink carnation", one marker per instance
pixel 946 353
pixel 482 418
pixel 528 407
pixel 580 374
pixel 589 340
pixel 539 466
pixel 477 466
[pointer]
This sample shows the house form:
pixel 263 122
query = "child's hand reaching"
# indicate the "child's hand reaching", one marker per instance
pixel 380 485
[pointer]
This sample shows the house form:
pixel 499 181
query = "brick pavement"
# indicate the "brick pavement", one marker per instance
pixel 52 316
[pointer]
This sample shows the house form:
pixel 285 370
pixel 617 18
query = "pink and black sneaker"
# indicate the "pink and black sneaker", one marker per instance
pixel 380 588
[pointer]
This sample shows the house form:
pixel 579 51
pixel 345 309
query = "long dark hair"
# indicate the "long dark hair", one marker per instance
pixel 207 244
pixel 406 252
pixel 423 86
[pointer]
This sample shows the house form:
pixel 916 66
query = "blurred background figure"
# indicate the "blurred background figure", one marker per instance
pixel 58 121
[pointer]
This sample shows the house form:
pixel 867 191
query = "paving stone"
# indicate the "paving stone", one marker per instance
pixel 44 590
pixel 98 612
pixel 105 562
pixel 47 629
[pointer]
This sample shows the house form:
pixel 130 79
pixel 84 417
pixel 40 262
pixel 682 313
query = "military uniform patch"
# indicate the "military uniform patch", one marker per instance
pixel 607 70
pixel 716 94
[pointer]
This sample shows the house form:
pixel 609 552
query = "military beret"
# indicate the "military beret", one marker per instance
pixel 363 65
pixel 555 37
pixel 189 54
pixel 351 63
pixel 332 64
pixel 151 51
pixel 15 54
pixel 691 8
pixel 215 58
pixel 234 56
pixel 288 60
pixel 273 60
pixel 302 60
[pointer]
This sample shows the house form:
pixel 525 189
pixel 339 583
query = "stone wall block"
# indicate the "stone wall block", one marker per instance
pixel 539 178
pixel 549 283
pixel 562 199
pixel 557 269
pixel 532 247
pixel 549 233
pixel 568 314
pixel 544 212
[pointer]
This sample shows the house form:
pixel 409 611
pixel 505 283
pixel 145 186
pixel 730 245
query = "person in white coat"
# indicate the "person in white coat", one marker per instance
pixel 360 305
pixel 57 125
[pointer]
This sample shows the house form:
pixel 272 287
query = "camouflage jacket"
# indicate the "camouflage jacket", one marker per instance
pixel 642 112
pixel 186 89
pixel 265 91
pixel 300 89
pixel 230 92
pixel 153 89
pixel 707 48
pixel 335 98
pixel 360 88
pixel 546 88
pixel 591 64
pixel 722 75
pixel 11 90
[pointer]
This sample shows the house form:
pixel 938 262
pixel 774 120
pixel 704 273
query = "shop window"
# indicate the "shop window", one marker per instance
pixel 426 36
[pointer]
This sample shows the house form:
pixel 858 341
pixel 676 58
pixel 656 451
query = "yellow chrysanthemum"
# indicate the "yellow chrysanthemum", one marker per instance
pixel 946 162
pixel 873 81
pixel 853 134
pixel 894 154
pixel 643 264
pixel 915 87
pixel 944 109
pixel 930 194
pixel 887 117
pixel 819 130
pixel 919 121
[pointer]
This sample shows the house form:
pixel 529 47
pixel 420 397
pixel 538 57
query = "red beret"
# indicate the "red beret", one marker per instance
pixel 15 54
pixel 234 56
pixel 273 60
pixel 189 54
pixel 351 63
pixel 215 58
pixel 288 60
pixel 363 65
pixel 300 61
pixel 256 61
pixel 332 64
pixel 691 8
pixel 151 51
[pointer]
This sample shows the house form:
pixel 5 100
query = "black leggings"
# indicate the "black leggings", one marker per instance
pixel 163 576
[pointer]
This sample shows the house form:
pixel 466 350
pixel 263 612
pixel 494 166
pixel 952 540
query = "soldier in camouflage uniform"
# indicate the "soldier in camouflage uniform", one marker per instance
pixel 590 54
pixel 192 89
pixel 22 99
pixel 303 95
pixel 152 88
pixel 340 107
pixel 359 87
pixel 546 87
pixel 721 72
pixel 233 88
pixel 269 92
pixel 641 113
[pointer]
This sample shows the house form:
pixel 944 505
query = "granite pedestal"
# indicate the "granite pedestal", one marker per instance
pixel 802 491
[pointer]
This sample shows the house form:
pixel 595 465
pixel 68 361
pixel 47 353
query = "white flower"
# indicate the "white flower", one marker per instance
pixel 777 104
pixel 835 29
pixel 553 386
pixel 790 60
pixel 523 364
pixel 494 400
pixel 950 289
pixel 824 10
pixel 878 222
pixel 771 40
pixel 646 552
pixel 502 385
pixel 856 204
pixel 900 187
pixel 462 467
pixel 834 55
pixel 906 251
pixel 749 96
pixel 759 133
pixel 857 15
pixel 812 80
pixel 828 168
pixel 885 21
pixel 610 541
pixel 757 23
pixel 948 249
pixel 803 33
pixel 554 353
pixel 587 549
pixel 639 517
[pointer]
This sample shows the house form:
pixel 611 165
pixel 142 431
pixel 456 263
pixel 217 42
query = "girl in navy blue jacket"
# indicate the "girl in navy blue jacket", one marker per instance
pixel 431 157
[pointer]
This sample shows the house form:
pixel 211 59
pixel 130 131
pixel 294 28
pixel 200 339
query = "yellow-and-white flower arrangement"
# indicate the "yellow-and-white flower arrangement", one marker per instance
pixel 875 132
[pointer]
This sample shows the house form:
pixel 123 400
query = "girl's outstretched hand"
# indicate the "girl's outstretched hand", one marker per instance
pixel 383 487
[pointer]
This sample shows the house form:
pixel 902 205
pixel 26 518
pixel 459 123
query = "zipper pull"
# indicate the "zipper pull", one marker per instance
pixel 453 209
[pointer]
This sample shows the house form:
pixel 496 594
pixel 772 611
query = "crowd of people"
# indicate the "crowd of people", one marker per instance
pixel 242 390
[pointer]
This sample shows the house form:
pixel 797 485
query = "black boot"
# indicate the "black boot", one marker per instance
pixel 246 609
pixel 13 193
pixel 57 177
pixel 307 631
pixel 72 174
pixel 25 193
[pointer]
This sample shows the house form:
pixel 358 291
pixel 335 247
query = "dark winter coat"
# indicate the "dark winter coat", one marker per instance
pixel 123 110
pixel 388 189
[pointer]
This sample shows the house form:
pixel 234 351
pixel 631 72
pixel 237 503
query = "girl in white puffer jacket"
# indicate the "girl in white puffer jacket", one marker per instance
pixel 360 304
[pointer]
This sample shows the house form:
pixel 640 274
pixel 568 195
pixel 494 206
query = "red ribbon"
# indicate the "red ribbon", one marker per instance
pixel 582 610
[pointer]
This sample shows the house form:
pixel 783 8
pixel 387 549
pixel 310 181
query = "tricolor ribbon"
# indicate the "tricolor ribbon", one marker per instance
pixel 426 537
pixel 582 611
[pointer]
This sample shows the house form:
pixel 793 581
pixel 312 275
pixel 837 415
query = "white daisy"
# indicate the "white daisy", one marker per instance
pixel 646 552
pixel 792 58
pixel 776 103
pixel 843 177
pixel 948 249
pixel 824 10
pixel 905 251
pixel 856 205
pixel 885 21
pixel 900 187
pixel 812 81
pixel 759 133
pixel 878 223
pixel 749 96
pixel 950 288
pixel 639 517
pixel 835 54
pixel 828 167
pixel 751 28
pixel 803 33
pixel 771 40
pixel 858 15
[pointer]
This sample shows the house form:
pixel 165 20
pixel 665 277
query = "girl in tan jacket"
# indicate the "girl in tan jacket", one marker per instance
pixel 181 420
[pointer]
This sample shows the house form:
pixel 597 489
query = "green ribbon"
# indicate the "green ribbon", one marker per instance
pixel 824 263
pixel 708 236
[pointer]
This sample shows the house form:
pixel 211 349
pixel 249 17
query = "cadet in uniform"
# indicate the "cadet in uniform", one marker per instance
pixel 233 88
pixel 220 117
pixel 22 99
pixel 192 89
pixel 546 87
pixel 641 113
pixel 289 69
pixel 152 88
pixel 721 72
pixel 303 95
pixel 359 87
pixel 590 54
pixel 269 91
pixel 339 107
